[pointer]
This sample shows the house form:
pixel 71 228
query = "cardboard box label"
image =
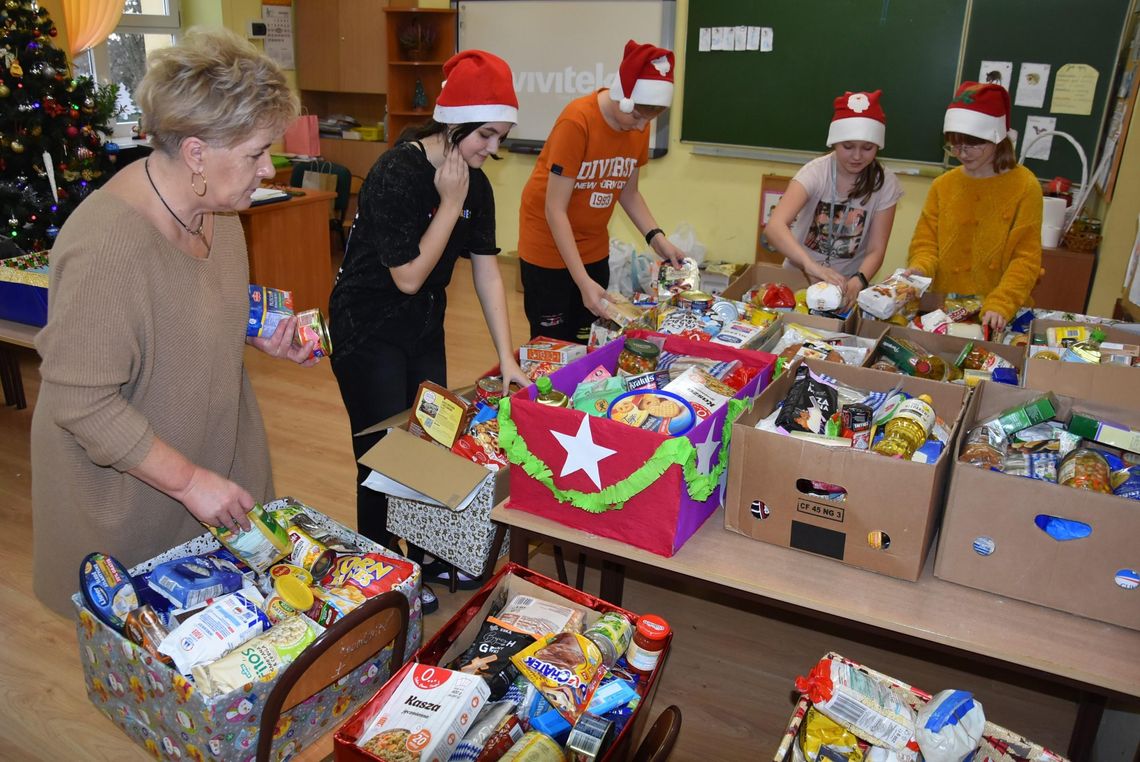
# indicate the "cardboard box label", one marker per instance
pixel 820 510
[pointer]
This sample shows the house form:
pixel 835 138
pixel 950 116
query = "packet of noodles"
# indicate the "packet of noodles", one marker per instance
pixel 566 667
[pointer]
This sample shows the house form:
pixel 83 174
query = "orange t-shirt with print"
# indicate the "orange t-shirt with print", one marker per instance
pixel 601 159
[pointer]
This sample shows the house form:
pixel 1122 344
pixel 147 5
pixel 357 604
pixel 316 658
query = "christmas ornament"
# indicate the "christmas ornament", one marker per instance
pixel 13 222
pixel 52 231
pixel 72 131
pixel 11 5
pixel 16 70
pixel 5 91
pixel 17 147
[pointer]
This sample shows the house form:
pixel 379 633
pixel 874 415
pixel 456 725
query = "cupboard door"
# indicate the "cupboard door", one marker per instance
pixel 364 46
pixel 318 44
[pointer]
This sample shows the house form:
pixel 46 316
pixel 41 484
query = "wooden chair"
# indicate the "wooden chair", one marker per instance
pixel 343 647
pixel 658 742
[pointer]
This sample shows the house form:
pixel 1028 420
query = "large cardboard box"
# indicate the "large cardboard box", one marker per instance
pixel 438 500
pixel 458 634
pixel 648 489
pixel 998 743
pixel 24 289
pixel 945 346
pixel 1114 384
pixel 886 519
pixel 164 713
pixel 991 539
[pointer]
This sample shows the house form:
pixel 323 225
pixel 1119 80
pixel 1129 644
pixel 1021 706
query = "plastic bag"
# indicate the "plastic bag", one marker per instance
pixel 621 267
pixel 685 239
pixel 646 266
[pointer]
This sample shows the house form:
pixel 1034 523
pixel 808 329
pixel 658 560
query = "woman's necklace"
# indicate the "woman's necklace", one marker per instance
pixel 196 233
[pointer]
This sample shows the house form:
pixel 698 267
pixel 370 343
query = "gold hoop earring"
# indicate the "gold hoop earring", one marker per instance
pixel 194 186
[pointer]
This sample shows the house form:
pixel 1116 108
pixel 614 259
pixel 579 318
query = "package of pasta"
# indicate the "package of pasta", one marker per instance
pixel 862 703
pixel 566 667
pixel 260 659
pixel 883 300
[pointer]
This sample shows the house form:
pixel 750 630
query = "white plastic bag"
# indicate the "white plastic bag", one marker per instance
pixel 685 239
pixel 621 267
pixel 646 266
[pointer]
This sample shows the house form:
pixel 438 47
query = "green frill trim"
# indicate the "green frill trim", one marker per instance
pixel 674 450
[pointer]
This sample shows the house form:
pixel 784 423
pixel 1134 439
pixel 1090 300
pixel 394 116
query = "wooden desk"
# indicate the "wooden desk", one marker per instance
pixel 1067 280
pixel 14 334
pixel 288 245
pixel 1095 657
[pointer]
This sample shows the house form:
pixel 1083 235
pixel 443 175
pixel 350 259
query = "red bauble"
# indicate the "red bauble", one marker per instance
pixel 74 113
pixel 72 131
pixel 53 32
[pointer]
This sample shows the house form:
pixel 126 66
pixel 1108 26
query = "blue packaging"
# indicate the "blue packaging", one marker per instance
pixel 1005 376
pixel 190 582
pixel 107 589
pixel 267 308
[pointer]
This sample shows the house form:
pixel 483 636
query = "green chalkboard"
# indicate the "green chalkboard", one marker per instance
pixel 783 99
pixel 1054 32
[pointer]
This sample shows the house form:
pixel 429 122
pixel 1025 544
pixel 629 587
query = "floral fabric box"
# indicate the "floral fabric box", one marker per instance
pixel 163 712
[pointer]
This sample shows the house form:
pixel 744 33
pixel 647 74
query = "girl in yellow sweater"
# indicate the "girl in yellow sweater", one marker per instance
pixel 980 228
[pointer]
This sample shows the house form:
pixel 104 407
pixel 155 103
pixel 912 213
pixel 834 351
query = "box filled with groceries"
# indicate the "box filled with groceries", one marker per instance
pixel 528 667
pixel 182 650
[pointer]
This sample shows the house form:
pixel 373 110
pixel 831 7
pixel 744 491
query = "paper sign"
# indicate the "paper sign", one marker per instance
pixel 766 39
pixel 279 34
pixel 996 73
pixel 704 40
pixel 753 38
pixel 1073 89
pixel 717 38
pixel 740 38
pixel 1032 82
pixel 1037 125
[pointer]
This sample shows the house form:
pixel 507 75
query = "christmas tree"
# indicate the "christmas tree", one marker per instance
pixel 51 152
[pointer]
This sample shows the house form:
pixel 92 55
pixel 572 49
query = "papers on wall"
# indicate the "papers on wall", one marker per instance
pixel 1032 83
pixel 1073 89
pixel 1037 125
pixel 996 72
pixel 734 38
pixel 279 34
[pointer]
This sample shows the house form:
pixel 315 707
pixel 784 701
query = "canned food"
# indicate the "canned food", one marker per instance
pixel 489 389
pixel 1085 468
pixel 695 301
pixel 727 311
pixel 308 553
pixel 311 327
pixel 611 633
pixel 857 419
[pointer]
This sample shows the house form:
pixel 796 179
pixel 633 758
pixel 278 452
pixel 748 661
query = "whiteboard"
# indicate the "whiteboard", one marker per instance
pixel 559 50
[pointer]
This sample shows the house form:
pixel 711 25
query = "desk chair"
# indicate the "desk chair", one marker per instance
pixel 343 189
pixel 344 646
pixel 658 742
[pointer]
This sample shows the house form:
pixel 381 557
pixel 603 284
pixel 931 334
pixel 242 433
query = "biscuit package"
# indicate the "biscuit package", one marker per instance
pixel 884 300
pixel 566 668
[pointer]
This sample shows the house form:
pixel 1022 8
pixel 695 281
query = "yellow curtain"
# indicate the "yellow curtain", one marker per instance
pixel 89 22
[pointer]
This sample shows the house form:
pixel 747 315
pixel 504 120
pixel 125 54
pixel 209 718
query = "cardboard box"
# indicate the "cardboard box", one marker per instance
pixel 886 520
pixel 164 713
pixel 945 346
pixel 990 539
pixel 775 331
pixel 650 505
pixel 455 637
pixel 1113 384
pixel 998 743
pixel 764 272
pixel 24 289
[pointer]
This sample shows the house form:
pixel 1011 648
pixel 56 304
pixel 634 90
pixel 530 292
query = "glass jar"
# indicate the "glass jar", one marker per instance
pixel 1085 468
pixel 637 356
pixel 611 633
pixel 649 640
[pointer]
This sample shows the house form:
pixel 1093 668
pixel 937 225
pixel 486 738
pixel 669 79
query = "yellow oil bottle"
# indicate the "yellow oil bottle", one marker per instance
pixel 908 429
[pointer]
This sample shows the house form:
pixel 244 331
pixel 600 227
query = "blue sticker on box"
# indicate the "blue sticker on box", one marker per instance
pixel 984 546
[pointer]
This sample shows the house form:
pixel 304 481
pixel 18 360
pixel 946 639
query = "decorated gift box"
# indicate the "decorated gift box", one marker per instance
pixel 644 488
pixel 24 288
pixel 164 712
pixel 461 630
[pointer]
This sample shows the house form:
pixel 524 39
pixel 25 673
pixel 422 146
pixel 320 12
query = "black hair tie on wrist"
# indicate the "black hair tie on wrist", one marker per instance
pixel 862 278
pixel 651 233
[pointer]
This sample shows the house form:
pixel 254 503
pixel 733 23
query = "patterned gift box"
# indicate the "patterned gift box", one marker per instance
pixel 998 744
pixel 24 288
pixel 463 538
pixel 164 713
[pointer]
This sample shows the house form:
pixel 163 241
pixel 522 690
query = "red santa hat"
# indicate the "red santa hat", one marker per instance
pixel 645 76
pixel 477 87
pixel 858 116
pixel 978 110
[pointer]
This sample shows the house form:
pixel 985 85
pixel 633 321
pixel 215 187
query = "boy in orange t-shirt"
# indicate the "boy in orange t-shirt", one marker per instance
pixel 590 161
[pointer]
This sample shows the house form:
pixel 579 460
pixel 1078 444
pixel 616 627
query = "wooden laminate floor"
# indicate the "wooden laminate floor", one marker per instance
pixel 732 666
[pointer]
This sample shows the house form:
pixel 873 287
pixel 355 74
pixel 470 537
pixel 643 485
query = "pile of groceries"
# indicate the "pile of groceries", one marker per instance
pixel 857 715
pixel 537 683
pixel 269 306
pixel 1083 453
pixel 468 428
pixel 654 389
pixel 892 423
pixel 973 363
pixel 241 613
pixel 1082 344
pixel 793 340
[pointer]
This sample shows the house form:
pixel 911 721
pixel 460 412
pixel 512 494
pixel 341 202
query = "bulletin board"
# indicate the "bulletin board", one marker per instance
pixel 916 52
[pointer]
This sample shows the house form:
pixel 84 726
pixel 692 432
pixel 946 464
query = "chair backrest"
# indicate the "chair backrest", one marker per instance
pixel 344 646
pixel 343 180
pixel 658 742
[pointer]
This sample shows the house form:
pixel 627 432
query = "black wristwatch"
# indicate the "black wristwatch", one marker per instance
pixel 651 233
pixel 862 278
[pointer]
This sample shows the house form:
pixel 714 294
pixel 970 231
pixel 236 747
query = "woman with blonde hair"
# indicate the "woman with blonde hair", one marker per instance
pixel 146 426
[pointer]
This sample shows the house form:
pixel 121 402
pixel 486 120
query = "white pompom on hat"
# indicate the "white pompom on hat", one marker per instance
pixel 858 116
pixel 477 87
pixel 645 76
pixel 979 110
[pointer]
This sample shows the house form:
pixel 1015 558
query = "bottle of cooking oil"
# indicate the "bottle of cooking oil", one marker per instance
pixel 548 395
pixel 908 429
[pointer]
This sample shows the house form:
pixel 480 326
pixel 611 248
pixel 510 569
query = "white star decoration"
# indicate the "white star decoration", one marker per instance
pixel 706 450
pixel 581 452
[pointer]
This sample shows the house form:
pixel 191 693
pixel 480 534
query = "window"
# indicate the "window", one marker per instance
pixel 146 25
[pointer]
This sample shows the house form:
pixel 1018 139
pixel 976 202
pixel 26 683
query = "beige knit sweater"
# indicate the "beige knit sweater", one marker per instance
pixel 142 341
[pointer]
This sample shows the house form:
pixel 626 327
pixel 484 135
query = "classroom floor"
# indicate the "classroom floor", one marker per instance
pixel 732 666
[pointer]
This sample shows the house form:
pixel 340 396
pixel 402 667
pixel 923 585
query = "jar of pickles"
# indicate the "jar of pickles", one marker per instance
pixel 637 356
pixel 1085 468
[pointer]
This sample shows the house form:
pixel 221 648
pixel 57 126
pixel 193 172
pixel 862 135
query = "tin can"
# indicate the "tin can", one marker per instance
pixel 695 301
pixel 311 326
pixel 726 311
pixel 611 633
pixel 143 627
pixel 308 553
pixel 857 419
pixel 489 389
pixel 1085 468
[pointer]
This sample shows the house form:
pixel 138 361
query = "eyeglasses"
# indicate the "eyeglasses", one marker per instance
pixel 963 148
